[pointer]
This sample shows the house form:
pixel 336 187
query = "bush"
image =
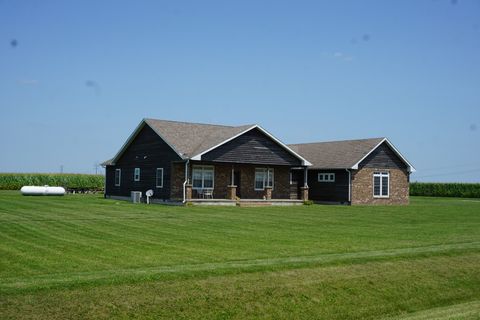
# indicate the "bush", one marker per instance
pixel 460 190
pixel 308 202
pixel 14 181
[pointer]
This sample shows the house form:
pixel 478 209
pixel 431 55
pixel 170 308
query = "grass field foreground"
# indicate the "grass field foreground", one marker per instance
pixel 81 256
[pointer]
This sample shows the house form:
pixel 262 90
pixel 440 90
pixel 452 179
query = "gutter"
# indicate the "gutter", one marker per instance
pixel 186 180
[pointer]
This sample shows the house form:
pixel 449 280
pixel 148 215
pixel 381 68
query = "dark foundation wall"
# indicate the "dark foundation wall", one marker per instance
pixel 147 152
pixel 328 191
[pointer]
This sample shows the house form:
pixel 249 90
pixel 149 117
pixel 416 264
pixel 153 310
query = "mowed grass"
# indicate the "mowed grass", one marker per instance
pixel 82 256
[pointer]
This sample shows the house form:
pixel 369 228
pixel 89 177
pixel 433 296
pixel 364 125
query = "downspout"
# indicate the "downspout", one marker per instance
pixel 186 180
pixel 349 186
pixel 105 184
pixel 305 177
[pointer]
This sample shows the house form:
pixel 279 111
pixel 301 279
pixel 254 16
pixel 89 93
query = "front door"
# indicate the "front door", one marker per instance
pixel 296 181
pixel 236 181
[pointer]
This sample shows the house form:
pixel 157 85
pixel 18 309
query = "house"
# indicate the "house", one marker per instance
pixel 367 171
pixel 214 164
pixel 203 163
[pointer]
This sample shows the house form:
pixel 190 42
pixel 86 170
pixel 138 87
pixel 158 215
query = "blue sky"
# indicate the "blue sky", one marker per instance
pixel 76 77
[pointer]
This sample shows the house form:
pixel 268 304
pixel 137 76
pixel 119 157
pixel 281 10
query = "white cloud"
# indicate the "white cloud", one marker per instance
pixel 343 56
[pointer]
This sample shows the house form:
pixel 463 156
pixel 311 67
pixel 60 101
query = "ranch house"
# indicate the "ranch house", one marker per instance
pixel 246 165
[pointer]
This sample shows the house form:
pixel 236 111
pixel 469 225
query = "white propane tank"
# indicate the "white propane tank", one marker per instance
pixel 42 191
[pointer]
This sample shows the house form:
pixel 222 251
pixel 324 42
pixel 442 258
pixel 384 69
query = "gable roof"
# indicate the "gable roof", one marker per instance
pixel 189 139
pixel 346 154
pixel 192 140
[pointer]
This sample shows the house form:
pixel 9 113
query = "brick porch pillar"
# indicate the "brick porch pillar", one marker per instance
pixel 188 192
pixel 232 192
pixel 304 193
pixel 268 193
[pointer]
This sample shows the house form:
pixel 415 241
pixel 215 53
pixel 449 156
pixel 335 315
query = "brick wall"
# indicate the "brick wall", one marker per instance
pixel 362 187
pixel 177 179
pixel 222 176
pixel 281 182
pixel 223 172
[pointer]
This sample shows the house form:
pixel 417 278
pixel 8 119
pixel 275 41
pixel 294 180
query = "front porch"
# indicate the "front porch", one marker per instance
pixel 241 184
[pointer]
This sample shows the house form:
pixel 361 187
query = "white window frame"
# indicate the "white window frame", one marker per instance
pixel 202 169
pixel 381 175
pixel 326 177
pixel 119 177
pixel 157 176
pixel 136 174
pixel 265 172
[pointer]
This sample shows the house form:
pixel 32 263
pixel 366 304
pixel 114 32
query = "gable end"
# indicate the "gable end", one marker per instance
pixel 255 147
pixel 383 157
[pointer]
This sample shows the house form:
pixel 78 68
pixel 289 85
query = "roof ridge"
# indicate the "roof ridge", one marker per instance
pixel 198 123
pixel 346 140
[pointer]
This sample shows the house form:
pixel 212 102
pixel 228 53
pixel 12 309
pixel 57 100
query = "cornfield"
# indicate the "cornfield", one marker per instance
pixel 460 190
pixel 14 181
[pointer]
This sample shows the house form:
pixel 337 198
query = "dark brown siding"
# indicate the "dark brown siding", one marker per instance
pixel 383 157
pixel 328 191
pixel 147 152
pixel 252 147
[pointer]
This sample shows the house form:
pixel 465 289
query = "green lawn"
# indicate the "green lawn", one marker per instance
pixel 83 256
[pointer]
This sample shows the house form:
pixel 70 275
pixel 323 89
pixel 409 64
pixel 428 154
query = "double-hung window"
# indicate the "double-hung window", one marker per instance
pixel 202 177
pixel 136 174
pixel 326 177
pixel 263 178
pixel 159 178
pixel 381 184
pixel 118 177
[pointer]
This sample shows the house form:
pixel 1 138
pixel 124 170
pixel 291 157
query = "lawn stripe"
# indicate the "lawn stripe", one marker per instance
pixel 72 277
pixel 464 311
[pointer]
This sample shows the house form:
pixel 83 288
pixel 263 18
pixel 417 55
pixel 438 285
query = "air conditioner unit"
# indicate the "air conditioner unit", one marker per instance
pixel 136 196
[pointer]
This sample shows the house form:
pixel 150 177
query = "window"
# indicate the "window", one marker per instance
pixel 381 184
pixel 202 177
pixel 263 178
pixel 136 174
pixel 118 177
pixel 159 178
pixel 326 177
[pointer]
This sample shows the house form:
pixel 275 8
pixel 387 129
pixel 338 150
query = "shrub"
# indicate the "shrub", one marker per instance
pixel 308 202
pixel 461 190
pixel 14 181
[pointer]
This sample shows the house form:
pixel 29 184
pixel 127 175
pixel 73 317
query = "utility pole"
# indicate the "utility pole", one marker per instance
pixel 96 165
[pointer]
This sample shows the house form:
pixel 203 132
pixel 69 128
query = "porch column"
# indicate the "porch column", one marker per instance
pixel 268 189
pixel 188 191
pixel 232 192
pixel 304 189
pixel 188 185
pixel 232 188
pixel 268 193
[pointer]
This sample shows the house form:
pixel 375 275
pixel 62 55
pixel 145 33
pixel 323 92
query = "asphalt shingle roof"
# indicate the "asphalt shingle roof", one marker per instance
pixel 335 154
pixel 190 139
